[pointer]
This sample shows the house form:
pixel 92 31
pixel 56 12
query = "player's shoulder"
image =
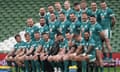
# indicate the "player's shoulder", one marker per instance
pixel 97 25
pixel 92 40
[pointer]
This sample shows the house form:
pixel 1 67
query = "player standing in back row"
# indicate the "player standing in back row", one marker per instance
pixel 107 22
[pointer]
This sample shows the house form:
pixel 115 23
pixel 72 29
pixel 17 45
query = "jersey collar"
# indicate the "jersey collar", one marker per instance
pixel 42 16
pixel 84 10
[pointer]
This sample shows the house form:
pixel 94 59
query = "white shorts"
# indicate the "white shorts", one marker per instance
pixel 107 33
pixel 92 57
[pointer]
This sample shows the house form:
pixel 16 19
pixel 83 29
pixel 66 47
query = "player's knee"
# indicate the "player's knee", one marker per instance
pixel 65 57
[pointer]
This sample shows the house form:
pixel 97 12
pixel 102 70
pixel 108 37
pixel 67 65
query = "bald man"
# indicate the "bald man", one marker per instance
pixel 68 9
pixel 58 8
pixel 95 11
pixel 31 28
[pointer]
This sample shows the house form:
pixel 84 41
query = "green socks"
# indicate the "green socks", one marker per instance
pixel 105 55
pixel 96 69
pixel 110 55
pixel 73 63
pixel 66 63
pixel 37 65
pixel 101 69
pixel 26 66
pixel 33 65
pixel 84 66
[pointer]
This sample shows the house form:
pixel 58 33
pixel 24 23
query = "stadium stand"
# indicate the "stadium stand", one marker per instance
pixel 13 15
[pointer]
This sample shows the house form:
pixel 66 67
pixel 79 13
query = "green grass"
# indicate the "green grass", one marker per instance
pixel 105 69
pixel 112 69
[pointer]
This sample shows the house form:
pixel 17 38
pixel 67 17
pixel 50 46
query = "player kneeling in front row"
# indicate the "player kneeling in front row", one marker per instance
pixel 88 51
pixel 17 55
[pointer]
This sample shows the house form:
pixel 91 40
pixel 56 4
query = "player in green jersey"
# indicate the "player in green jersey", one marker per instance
pixel 13 57
pixel 97 34
pixel 107 22
pixel 28 53
pixel 68 9
pixel 37 44
pixel 63 24
pixel 53 25
pixel 42 13
pixel 87 52
pixel 85 23
pixel 43 26
pixel 47 44
pixel 84 8
pixel 74 27
pixel 31 28
pixel 50 10
pixel 20 47
pixel 95 11
pixel 71 47
pixel 77 10
pixel 58 9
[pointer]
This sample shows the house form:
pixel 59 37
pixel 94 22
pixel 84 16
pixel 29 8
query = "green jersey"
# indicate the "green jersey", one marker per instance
pixel 79 43
pixel 78 14
pixel 86 10
pixel 63 27
pixel 74 27
pixel 95 30
pixel 28 44
pixel 31 31
pixel 96 13
pixel 48 15
pixel 44 29
pixel 53 28
pixel 45 16
pixel 47 45
pixel 106 16
pixel 84 27
pixel 37 43
pixel 67 42
pixel 87 44
pixel 68 12
pixel 63 44
pixel 19 45
pixel 58 12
